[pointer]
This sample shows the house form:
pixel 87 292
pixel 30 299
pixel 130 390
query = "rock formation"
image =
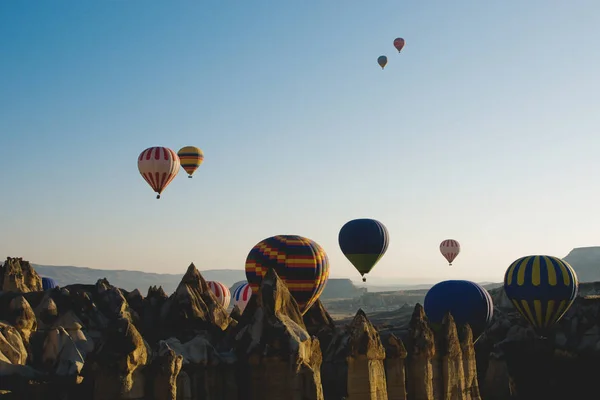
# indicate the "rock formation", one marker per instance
pixel 18 276
pixel 516 362
pixel 101 342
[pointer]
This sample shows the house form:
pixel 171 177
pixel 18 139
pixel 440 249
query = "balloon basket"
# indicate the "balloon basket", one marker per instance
pixel 158 196
pixel 364 279
pixel 189 176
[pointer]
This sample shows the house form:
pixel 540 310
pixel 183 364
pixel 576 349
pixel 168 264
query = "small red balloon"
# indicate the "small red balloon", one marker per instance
pixel 399 44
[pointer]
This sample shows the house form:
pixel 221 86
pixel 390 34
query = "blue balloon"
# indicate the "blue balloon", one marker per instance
pixel 363 242
pixel 468 302
pixel 542 288
pixel 48 283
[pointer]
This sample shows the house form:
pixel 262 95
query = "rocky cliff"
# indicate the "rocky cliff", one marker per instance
pixel 585 261
pixel 515 363
pixel 17 275
pixel 100 342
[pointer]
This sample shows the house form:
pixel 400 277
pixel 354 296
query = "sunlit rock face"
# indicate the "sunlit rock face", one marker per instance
pixel 19 276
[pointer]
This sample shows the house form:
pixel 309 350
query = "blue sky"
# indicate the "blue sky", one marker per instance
pixel 484 129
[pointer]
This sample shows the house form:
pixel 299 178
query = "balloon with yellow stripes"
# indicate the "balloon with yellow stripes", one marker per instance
pixel 300 262
pixel 542 288
pixel 191 157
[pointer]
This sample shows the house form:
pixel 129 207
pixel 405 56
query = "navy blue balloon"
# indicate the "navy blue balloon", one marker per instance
pixel 468 302
pixel 48 283
pixel 363 241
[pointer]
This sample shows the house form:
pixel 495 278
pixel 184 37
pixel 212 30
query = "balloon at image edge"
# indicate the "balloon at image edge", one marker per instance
pixel 399 44
pixel 364 242
pixel 382 61
pixel 191 158
pixel 300 262
pixel 467 302
pixel 241 296
pixel 221 292
pixel 542 288
pixel 158 166
pixel 450 249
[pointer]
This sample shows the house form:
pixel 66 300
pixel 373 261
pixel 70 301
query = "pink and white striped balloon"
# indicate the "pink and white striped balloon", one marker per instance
pixel 450 249
pixel 241 296
pixel 221 292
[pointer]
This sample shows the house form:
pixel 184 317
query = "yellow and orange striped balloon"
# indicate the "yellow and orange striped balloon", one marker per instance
pixel 191 157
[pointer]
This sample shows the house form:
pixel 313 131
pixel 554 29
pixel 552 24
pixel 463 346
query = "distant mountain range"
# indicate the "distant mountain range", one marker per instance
pixel 584 260
pixel 129 280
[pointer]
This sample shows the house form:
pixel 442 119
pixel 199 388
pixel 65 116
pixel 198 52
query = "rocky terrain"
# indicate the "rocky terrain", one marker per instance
pixel 100 342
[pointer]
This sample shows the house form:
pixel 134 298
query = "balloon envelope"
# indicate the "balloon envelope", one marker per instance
pixel 363 241
pixel 449 249
pixel 542 288
pixel 221 292
pixel 382 61
pixel 48 283
pixel 190 158
pixel 300 262
pixel 158 166
pixel 468 302
pixel 241 296
pixel 399 44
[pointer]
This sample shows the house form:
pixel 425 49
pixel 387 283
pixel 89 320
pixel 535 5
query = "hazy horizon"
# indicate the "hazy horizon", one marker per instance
pixel 484 130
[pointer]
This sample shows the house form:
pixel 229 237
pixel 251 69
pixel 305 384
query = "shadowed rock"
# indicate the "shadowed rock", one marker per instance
pixel 122 355
pixel 469 363
pixel 235 314
pixel 165 381
pixel 22 318
pixel 421 350
pixel 320 324
pixel 354 362
pixel 46 312
pixel 395 368
pixel 193 308
pixel 450 353
pixel 151 308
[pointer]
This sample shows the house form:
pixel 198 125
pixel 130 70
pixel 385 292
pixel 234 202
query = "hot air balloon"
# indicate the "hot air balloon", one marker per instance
pixel 382 61
pixel 48 283
pixel 158 166
pixel 399 44
pixel 300 262
pixel 221 292
pixel 450 249
pixel 363 242
pixel 542 288
pixel 468 302
pixel 190 157
pixel 241 296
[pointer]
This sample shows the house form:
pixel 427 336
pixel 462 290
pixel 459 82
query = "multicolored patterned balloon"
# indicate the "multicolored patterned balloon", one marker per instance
pixel 190 157
pixel 300 262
